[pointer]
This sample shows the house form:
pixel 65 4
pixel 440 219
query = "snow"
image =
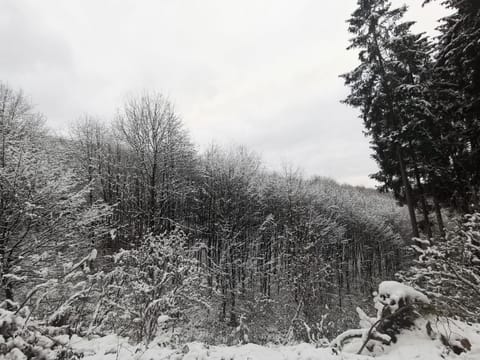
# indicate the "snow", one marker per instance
pixel 347 334
pixel 393 290
pixel 15 354
pixel 416 343
pixel 411 344
pixel 365 320
pixel 93 255
pixel 13 277
pixel 7 318
pixel 421 241
pixel 119 255
pixel 163 319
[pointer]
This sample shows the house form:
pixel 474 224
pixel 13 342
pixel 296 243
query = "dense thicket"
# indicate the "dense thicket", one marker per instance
pixel 448 270
pixel 121 225
pixel 420 101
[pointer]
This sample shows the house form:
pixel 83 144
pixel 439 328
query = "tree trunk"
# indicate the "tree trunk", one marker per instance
pixel 408 194
pixel 438 214
pixel 153 196
pixel 423 199
pixel 4 269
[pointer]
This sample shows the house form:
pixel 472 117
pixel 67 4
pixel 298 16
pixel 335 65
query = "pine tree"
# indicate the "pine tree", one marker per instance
pixel 391 57
pixel 456 98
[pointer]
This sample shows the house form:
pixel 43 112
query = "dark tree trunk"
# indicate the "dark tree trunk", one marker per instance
pixel 423 200
pixel 438 214
pixel 408 192
pixel 153 196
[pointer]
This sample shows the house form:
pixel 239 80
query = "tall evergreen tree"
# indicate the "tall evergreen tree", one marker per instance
pixel 389 87
pixel 456 96
pixel 389 58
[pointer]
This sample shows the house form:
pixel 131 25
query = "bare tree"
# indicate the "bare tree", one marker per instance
pixel 89 137
pixel 150 126
pixel 39 196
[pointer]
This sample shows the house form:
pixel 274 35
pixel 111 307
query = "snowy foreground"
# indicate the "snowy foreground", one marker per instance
pixel 428 337
pixel 414 344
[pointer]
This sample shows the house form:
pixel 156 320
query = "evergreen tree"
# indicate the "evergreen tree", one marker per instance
pixel 456 97
pixel 389 87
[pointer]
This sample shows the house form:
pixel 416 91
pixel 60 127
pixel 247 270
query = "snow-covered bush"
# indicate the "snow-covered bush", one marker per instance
pixel 401 309
pixel 448 269
pixel 151 284
pixel 142 293
pixel 396 306
pixel 242 331
pixel 21 339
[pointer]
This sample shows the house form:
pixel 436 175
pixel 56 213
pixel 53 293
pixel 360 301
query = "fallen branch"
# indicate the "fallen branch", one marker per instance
pixel 381 321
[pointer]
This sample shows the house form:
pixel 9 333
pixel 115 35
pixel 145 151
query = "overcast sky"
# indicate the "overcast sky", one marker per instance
pixel 253 72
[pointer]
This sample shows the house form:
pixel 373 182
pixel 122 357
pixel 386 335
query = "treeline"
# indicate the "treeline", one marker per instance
pixel 124 208
pixel 420 101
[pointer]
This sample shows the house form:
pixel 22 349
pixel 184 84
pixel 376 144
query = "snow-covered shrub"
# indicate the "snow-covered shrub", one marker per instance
pixel 160 279
pixel 21 339
pixel 396 306
pixel 67 299
pixel 142 293
pixel 401 309
pixel 241 332
pixel 49 218
pixel 448 269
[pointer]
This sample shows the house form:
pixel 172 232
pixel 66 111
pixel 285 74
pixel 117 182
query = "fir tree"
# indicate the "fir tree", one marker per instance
pixel 456 93
pixel 387 86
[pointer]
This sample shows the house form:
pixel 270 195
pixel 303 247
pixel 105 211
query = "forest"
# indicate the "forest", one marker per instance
pixel 122 226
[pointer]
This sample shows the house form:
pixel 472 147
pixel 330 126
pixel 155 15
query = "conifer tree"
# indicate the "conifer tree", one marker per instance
pixel 371 83
pixel 456 97
pixel 389 86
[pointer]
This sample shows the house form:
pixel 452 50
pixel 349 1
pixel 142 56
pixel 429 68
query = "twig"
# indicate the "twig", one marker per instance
pixel 30 294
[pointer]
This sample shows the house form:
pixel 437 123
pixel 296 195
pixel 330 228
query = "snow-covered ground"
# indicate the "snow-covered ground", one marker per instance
pixel 428 337
pixel 414 344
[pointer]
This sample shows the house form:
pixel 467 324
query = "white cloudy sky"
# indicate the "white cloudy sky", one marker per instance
pixel 261 73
